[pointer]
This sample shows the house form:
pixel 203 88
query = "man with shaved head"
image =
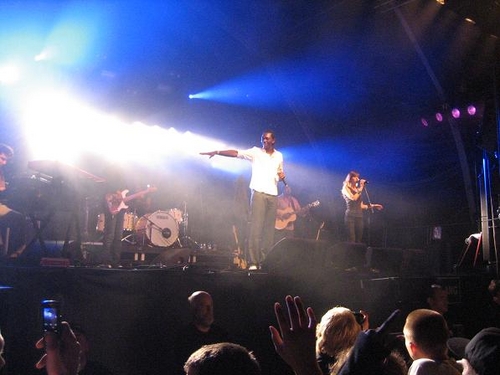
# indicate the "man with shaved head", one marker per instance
pixel 199 332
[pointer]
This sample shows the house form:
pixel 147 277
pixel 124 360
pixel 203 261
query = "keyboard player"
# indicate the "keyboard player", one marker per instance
pixel 12 223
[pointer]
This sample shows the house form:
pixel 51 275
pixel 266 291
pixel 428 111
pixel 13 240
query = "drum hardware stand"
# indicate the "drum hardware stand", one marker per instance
pixel 130 238
pixel 140 256
pixel 86 220
pixel 184 240
pixel 318 233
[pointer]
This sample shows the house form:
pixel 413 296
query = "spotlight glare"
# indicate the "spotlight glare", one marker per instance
pixel 9 74
pixel 41 56
pixel 471 110
pixel 439 117
pixel 424 122
pixel 455 112
pixel 199 95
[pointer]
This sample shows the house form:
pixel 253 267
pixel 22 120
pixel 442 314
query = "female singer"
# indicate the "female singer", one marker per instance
pixel 352 189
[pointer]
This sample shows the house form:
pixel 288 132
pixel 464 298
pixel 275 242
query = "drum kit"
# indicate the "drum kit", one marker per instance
pixel 159 228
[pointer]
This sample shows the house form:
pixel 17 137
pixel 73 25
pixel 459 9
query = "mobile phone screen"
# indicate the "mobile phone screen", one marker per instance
pixel 51 316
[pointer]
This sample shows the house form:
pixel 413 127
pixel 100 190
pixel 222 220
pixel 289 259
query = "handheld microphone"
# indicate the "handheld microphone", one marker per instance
pixel 280 170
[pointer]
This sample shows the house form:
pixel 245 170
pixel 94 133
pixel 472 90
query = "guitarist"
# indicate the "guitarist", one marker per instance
pixel 113 221
pixel 287 208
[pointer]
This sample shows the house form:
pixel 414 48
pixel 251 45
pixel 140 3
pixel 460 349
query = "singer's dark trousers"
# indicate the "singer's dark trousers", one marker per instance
pixel 354 227
pixel 263 216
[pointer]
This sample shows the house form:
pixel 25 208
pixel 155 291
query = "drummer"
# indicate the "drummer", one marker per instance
pixel 143 205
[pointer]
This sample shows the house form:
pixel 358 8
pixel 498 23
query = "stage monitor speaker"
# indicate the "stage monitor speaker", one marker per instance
pixel 296 254
pixel 173 257
pixel 349 254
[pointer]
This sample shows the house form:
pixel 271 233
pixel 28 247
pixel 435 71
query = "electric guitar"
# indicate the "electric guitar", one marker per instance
pixel 238 260
pixel 117 201
pixel 283 217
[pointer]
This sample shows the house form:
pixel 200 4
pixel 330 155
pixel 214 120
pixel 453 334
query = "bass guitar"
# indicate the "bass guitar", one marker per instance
pixel 288 215
pixel 117 201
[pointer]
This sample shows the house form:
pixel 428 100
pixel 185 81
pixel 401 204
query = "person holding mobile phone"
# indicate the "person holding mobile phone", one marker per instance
pixel 62 352
pixel 62 349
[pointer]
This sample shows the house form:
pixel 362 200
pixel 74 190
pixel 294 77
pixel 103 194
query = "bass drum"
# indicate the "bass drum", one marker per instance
pixel 158 228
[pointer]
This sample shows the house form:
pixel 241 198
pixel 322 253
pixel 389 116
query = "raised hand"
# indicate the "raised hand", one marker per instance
pixel 295 341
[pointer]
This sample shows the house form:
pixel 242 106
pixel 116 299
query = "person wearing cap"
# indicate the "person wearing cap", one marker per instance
pixel 481 354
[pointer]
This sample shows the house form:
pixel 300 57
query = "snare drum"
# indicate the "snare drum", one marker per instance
pixel 129 221
pixel 100 223
pixel 176 214
pixel 158 229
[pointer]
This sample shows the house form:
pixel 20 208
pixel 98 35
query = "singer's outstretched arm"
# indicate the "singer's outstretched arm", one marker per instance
pixel 228 153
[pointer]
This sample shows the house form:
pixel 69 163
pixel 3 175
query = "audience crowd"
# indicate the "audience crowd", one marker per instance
pixel 340 343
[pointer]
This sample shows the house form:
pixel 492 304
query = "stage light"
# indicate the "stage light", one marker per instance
pixel 471 110
pixel 9 74
pixel 439 117
pixel 200 95
pixel 424 122
pixel 44 55
pixel 455 112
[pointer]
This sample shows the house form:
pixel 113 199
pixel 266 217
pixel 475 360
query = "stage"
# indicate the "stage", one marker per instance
pixel 132 314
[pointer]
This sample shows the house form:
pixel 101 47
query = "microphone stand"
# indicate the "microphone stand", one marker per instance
pixel 368 198
pixel 369 250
